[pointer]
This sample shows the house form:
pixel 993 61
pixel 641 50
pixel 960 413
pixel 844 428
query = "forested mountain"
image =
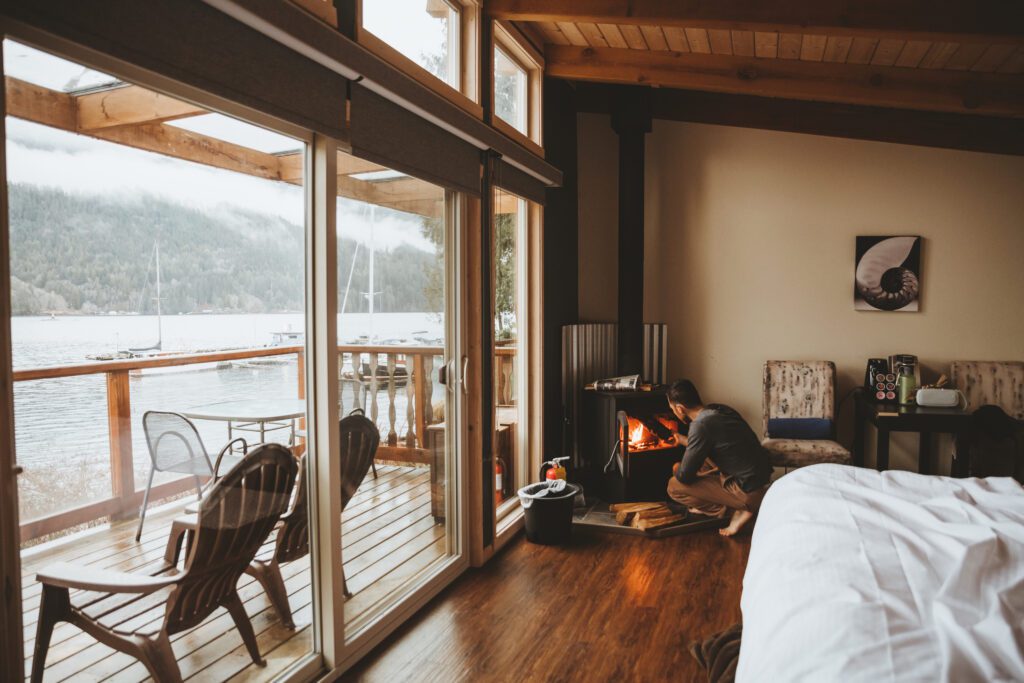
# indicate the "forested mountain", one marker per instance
pixel 91 254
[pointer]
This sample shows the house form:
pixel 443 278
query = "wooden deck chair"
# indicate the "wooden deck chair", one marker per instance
pixel 358 447
pixel 234 519
pixel 291 543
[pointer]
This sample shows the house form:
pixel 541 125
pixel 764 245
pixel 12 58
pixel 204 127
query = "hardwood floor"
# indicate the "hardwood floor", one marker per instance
pixel 608 607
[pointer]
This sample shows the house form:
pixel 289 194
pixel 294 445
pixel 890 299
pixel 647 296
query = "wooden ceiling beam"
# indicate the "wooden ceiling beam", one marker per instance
pixel 929 90
pixel 945 20
pixel 35 103
pixel 903 126
pixel 188 146
pixel 129 105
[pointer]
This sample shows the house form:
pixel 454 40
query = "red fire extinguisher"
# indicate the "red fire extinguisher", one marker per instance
pixel 499 480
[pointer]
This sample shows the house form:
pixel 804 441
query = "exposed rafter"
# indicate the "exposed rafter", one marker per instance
pixel 994 94
pixel 129 105
pixel 952 19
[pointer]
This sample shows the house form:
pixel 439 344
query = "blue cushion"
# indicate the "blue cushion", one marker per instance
pixel 799 428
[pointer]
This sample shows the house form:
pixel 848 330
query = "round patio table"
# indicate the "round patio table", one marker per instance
pixel 253 415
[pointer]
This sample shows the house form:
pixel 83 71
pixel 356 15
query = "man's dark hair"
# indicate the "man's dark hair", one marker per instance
pixel 682 391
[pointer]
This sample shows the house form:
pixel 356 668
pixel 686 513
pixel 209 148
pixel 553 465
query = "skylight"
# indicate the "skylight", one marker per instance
pixel 238 133
pixel 378 176
pixel 31 65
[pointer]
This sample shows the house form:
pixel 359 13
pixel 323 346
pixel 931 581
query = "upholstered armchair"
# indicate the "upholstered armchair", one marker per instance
pixel 799 413
pixel 986 382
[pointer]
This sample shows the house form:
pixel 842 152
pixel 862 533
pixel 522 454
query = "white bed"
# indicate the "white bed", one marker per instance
pixel 856 575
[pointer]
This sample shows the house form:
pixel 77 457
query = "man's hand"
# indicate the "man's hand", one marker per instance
pixel 680 439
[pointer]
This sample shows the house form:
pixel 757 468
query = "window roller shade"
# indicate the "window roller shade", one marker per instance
pixel 508 177
pixel 195 44
pixel 387 134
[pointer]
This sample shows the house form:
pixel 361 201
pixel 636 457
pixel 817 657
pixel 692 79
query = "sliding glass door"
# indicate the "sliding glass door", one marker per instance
pixel 398 340
pixel 509 250
pixel 157 259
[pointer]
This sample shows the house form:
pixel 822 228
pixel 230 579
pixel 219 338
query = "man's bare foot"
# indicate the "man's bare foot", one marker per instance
pixel 738 521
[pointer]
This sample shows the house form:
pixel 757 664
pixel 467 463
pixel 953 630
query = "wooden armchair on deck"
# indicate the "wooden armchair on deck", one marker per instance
pixel 234 519
pixel 291 543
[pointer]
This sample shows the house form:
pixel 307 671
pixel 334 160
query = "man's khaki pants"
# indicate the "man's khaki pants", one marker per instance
pixel 715 494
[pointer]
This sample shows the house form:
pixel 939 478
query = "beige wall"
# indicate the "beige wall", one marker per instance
pixel 750 249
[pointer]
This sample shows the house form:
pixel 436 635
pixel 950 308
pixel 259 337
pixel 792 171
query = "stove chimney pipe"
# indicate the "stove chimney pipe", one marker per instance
pixel 631 120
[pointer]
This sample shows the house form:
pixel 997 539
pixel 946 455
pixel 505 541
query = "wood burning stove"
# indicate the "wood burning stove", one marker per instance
pixel 626 444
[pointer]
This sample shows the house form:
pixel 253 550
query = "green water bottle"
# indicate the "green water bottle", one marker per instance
pixel 906 386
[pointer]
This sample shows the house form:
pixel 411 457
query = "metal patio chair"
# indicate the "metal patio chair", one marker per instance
pixel 175 446
pixel 235 517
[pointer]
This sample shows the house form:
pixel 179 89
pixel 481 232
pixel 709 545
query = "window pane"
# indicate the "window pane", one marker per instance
pixel 393 336
pixel 510 98
pixel 509 275
pixel 425 31
pixel 128 259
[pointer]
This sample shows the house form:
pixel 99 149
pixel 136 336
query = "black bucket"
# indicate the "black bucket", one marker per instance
pixel 549 518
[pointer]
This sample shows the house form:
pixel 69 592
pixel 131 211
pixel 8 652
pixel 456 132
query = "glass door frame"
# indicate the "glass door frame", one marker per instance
pixel 330 651
pixel 321 337
pixel 439 575
pixel 12 648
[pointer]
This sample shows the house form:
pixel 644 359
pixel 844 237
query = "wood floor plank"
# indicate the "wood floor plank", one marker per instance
pixel 613 607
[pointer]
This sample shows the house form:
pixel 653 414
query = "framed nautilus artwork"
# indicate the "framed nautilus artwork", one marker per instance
pixel 888 274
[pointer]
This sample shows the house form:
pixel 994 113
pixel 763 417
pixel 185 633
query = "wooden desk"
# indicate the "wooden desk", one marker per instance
pixel 924 421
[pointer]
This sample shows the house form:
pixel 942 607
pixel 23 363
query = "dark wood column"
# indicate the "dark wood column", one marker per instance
pixel 631 120
pixel 561 251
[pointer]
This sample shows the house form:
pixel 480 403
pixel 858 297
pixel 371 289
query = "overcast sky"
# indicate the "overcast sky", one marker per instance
pixel 41 155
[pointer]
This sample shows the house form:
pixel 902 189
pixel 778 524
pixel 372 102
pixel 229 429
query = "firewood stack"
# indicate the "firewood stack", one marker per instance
pixel 645 516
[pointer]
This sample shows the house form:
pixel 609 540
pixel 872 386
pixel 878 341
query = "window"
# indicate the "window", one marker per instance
pixel 396 330
pixel 511 420
pixel 430 36
pixel 518 73
pixel 510 91
pixel 158 284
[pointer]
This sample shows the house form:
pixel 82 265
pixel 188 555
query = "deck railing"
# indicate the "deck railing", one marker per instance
pixel 369 373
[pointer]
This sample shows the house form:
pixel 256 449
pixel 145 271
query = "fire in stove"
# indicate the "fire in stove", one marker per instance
pixel 649 434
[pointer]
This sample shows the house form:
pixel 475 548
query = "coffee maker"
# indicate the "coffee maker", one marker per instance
pixel 900 359
pixel 881 375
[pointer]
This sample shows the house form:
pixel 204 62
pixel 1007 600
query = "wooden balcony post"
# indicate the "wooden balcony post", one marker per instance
pixel 301 356
pixel 418 384
pixel 119 419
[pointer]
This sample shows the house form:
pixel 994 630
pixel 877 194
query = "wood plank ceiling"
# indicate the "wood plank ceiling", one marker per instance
pixel 972 65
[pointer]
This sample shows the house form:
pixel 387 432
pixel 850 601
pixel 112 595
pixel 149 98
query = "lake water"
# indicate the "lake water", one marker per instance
pixel 61 431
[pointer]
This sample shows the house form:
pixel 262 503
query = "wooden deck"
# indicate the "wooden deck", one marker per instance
pixel 388 536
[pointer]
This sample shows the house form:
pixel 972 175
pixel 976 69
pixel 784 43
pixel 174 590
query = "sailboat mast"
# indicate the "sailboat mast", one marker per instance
pixel 373 224
pixel 159 319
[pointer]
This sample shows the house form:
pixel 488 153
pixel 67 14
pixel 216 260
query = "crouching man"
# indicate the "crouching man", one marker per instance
pixel 724 469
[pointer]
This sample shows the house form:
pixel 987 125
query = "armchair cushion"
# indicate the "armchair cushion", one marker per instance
pixel 799 428
pixel 802 452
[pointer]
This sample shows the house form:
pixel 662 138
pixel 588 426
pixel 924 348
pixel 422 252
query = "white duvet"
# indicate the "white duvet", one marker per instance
pixel 856 575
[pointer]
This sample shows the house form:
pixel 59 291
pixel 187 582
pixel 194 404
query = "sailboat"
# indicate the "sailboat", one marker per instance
pixel 158 346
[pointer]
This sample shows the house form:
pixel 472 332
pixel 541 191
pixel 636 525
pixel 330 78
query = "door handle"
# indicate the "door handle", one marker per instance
pixel 462 375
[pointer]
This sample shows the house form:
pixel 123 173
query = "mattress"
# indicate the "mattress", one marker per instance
pixel 857 575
